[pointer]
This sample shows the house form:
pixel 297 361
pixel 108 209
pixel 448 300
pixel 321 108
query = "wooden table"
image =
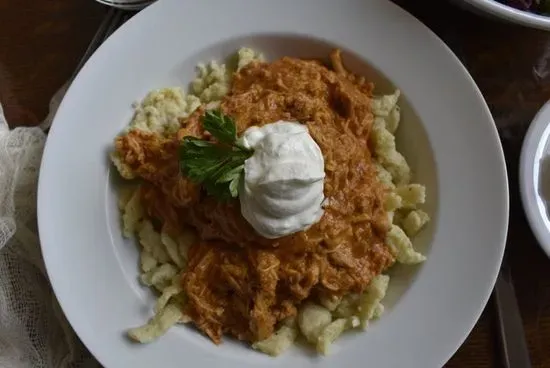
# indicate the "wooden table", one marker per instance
pixel 42 41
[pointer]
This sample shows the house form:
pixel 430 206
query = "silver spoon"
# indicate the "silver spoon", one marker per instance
pixel 112 20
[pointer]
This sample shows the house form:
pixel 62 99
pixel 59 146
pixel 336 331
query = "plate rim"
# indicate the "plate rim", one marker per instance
pixel 498 147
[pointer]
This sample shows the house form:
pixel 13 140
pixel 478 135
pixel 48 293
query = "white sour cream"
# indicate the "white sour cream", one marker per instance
pixel 283 184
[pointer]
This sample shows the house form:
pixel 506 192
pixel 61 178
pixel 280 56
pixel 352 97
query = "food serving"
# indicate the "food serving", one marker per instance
pixel 269 202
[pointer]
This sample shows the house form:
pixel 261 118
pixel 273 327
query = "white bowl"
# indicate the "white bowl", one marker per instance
pixel 509 14
pixel 534 172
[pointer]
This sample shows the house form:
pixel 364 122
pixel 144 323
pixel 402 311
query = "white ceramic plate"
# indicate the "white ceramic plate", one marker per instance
pixel 447 135
pixel 534 176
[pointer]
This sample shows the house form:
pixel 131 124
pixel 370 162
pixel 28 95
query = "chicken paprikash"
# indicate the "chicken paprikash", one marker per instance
pixel 255 242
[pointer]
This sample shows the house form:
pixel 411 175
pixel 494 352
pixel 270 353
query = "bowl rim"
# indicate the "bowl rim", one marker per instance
pixel 511 14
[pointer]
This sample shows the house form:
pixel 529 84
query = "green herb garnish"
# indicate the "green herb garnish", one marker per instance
pixel 217 166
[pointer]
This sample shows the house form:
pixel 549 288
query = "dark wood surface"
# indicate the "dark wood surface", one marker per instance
pixel 42 41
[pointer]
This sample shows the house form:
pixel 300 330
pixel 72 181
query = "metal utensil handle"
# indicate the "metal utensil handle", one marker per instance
pixel 109 24
pixel 113 19
pixel 515 352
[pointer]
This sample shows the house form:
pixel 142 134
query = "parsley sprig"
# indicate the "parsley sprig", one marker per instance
pixel 217 166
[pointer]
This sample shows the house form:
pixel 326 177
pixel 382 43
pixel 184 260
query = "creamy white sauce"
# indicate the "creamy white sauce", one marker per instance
pixel 282 191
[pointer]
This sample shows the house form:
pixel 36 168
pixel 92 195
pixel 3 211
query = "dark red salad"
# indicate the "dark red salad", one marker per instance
pixel 534 6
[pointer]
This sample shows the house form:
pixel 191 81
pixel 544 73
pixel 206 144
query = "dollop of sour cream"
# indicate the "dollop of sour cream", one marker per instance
pixel 282 192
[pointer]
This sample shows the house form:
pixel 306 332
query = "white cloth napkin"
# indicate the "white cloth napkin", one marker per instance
pixel 33 330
